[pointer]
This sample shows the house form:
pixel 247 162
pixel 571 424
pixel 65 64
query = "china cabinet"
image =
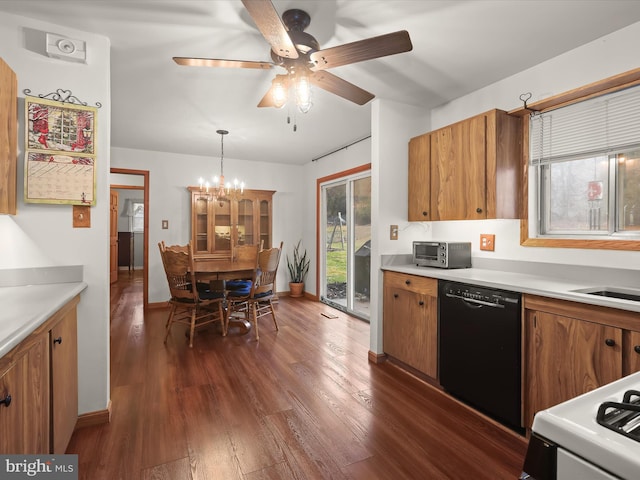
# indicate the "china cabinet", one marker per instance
pixel 218 225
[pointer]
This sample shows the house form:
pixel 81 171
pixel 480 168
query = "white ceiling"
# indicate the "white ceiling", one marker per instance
pixel 458 47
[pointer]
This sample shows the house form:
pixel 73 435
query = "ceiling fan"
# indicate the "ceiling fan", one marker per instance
pixel 300 55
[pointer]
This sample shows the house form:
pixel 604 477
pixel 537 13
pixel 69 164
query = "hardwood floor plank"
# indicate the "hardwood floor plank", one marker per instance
pixel 302 403
pixel 178 469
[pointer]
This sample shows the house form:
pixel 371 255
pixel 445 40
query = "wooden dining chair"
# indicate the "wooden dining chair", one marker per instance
pixel 192 303
pixel 258 302
pixel 245 253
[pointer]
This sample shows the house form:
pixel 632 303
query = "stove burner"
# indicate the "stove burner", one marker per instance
pixel 622 417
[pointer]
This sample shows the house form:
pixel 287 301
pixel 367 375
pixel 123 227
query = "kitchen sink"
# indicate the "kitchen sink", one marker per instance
pixel 619 293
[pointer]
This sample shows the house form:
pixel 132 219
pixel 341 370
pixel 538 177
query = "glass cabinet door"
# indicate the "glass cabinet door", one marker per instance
pixel 222 225
pixel 265 223
pixel 246 235
pixel 201 223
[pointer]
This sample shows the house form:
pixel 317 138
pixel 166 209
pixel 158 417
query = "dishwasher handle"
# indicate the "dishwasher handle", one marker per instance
pixel 474 301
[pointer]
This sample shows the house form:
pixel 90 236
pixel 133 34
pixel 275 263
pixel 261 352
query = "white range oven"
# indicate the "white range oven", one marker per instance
pixel 595 436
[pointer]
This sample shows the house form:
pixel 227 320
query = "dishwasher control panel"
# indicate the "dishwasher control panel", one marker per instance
pixel 487 296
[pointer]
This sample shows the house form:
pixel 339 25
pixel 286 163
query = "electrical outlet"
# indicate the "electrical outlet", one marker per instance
pixel 487 242
pixel 393 232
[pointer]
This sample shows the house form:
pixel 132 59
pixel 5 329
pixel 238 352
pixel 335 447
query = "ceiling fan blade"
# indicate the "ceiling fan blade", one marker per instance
pixel 374 47
pixel 269 98
pixel 336 85
pixel 270 25
pixel 215 62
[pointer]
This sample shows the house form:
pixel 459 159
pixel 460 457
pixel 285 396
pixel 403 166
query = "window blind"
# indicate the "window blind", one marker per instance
pixel 593 127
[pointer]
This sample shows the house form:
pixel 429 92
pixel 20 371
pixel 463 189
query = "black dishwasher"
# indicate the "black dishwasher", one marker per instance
pixel 479 348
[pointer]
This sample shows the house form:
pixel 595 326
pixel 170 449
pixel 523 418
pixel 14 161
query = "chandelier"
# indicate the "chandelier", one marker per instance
pixel 219 189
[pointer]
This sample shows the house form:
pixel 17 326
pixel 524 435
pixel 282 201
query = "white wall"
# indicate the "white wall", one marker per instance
pixel 392 126
pixel 608 56
pixel 42 235
pixel 342 160
pixel 169 199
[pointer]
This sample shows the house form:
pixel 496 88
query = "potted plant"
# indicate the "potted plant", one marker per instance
pixel 298 269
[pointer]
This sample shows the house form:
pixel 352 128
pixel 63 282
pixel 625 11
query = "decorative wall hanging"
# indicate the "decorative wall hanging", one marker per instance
pixel 60 150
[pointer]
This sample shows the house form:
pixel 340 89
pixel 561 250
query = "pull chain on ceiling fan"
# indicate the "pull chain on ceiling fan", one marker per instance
pixel 300 55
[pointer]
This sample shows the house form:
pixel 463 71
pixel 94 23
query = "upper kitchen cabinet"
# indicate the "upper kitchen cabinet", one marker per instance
pixel 219 224
pixel 473 170
pixel 419 176
pixel 8 138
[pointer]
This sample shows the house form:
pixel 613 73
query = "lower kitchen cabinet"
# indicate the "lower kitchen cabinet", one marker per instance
pixel 40 375
pixel 410 321
pixel 63 338
pixel 631 352
pixel 572 348
pixel 24 393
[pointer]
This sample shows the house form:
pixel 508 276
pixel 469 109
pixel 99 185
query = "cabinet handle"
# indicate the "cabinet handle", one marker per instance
pixel 421 303
pixel 424 214
pixel 57 340
pixel 636 349
pixel 407 282
pixel 6 401
pixel 478 210
pixel 395 295
pixel 610 342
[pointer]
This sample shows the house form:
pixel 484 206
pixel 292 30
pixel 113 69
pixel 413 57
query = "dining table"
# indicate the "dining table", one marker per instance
pixel 217 270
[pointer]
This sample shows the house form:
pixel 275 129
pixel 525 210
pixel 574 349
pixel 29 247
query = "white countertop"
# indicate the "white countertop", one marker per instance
pixel 535 284
pixel 25 307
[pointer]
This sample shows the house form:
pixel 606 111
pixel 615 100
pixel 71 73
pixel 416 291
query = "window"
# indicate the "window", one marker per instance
pixel 137 219
pixel 585 169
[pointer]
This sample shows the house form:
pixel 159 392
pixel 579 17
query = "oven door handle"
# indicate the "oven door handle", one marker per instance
pixel 474 301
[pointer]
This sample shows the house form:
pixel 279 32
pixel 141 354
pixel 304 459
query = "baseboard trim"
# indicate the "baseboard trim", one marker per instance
pixel 91 419
pixel 376 357
pixel 157 305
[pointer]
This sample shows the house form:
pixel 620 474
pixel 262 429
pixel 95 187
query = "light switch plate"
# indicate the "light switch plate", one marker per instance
pixel 81 216
pixel 487 241
pixel 393 232
pixel 165 224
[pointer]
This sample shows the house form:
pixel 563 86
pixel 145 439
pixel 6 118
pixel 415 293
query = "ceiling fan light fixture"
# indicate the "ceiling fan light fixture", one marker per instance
pixel 279 92
pixel 303 92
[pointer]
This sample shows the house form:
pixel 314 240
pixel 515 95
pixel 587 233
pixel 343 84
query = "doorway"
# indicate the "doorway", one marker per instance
pixel 126 180
pixel 345 240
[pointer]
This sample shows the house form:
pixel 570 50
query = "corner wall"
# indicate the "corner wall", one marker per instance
pixel 51 238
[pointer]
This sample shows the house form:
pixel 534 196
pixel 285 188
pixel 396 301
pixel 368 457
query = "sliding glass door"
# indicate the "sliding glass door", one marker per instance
pixel 345 241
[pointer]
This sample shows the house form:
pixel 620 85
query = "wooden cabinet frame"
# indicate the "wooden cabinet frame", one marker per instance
pixel 410 324
pixel 469 170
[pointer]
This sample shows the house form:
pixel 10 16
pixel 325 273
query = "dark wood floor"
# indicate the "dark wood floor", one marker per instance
pixel 302 403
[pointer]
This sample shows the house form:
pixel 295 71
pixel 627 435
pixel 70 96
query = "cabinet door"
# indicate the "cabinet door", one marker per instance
pixel 200 216
pixel 419 201
pixel 458 174
pixel 247 234
pixel 264 220
pixel 568 357
pixel 25 421
pixel 632 353
pixel 222 226
pixel 410 329
pixel 64 381
pixel 8 139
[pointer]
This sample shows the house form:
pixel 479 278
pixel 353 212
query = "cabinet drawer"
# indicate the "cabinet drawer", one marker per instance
pixel 413 283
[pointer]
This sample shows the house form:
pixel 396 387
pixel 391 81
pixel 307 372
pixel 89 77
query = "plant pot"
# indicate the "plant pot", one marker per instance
pixel 296 289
